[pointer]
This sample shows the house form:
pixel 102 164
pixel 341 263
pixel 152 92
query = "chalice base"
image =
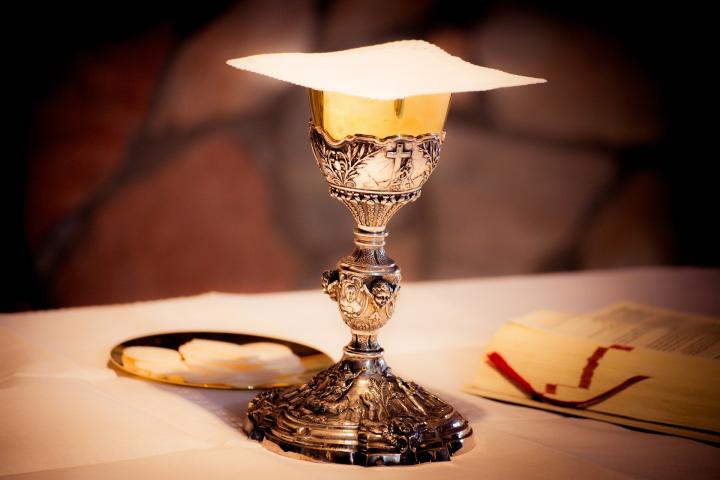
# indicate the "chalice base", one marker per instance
pixel 357 412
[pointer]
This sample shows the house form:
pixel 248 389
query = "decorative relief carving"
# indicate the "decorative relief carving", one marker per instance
pixel 364 162
pixel 353 299
pixel 388 413
pixel 431 152
pixel 382 291
pixel 330 279
pixel 341 163
pixel 403 178
pixel 373 210
pixel 364 306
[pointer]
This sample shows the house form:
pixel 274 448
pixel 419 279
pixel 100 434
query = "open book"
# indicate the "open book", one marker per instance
pixel 628 364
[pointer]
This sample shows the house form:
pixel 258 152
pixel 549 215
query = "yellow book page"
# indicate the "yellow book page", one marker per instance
pixel 682 391
pixel 637 325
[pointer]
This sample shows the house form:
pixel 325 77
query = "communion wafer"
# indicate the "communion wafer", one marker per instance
pixel 150 355
pixel 226 354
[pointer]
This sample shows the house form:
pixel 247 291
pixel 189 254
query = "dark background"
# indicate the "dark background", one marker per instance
pixel 139 166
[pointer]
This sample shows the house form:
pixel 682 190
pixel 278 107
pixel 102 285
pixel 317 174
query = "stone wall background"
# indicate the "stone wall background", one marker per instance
pixel 147 168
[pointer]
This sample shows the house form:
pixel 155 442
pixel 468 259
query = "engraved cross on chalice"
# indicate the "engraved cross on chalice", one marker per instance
pixel 375 155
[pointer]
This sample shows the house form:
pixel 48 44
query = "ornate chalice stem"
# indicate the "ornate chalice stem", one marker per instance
pixel 357 411
pixel 365 286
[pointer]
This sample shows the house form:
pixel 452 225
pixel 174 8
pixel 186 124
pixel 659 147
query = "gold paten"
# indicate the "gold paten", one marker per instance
pixel 312 360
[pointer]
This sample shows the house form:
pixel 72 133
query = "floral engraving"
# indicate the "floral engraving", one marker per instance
pixel 395 164
pixel 430 150
pixel 341 164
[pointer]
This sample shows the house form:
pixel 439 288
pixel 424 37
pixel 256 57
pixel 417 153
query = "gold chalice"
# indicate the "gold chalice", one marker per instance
pixel 376 155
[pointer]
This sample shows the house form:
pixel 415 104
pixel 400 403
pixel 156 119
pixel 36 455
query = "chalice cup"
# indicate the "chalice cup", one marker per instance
pixel 375 155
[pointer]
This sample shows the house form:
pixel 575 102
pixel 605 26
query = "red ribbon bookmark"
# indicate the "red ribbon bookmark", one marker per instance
pixel 497 361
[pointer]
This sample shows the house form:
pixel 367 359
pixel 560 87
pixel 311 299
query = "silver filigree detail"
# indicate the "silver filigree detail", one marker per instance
pixel 394 164
pixel 370 209
pixel 387 414
pixel 431 152
pixel 341 163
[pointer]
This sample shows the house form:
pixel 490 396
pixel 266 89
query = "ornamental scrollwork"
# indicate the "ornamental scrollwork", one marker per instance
pixel 341 164
pixel 431 152
pixel 401 163
pixel 399 412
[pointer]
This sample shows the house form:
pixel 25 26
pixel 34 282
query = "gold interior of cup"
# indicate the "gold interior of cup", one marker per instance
pixel 341 115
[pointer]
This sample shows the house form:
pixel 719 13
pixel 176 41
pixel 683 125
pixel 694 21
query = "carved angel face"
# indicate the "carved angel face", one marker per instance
pixel 381 292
